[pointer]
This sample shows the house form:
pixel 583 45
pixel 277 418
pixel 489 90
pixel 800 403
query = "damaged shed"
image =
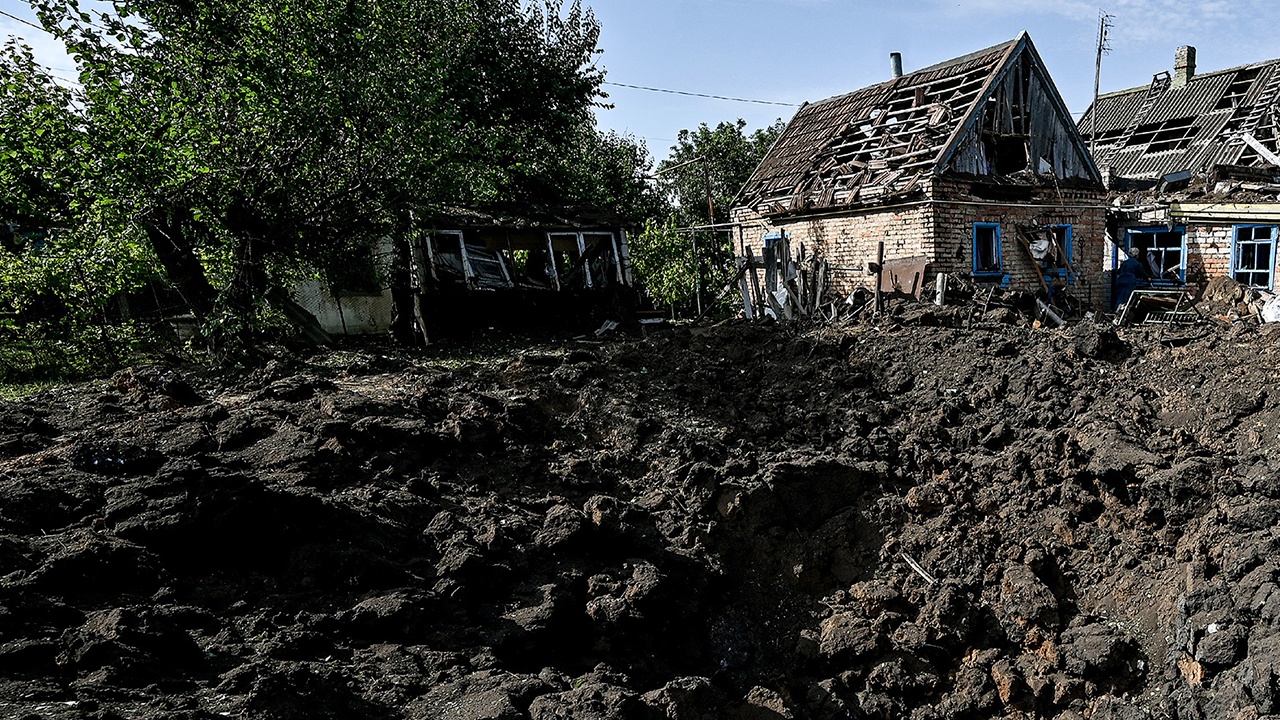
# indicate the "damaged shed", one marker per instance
pixel 1193 165
pixel 463 269
pixel 973 166
pixel 471 267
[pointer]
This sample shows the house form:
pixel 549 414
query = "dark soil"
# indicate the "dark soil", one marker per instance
pixel 719 522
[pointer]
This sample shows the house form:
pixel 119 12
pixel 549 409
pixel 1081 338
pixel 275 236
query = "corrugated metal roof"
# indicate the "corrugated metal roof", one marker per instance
pixel 1134 136
pixel 1114 111
pixel 1195 98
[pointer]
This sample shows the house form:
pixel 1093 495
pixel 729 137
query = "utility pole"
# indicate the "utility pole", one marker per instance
pixel 711 220
pixel 1104 25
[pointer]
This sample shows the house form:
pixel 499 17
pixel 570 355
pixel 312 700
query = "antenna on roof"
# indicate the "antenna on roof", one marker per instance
pixel 1104 47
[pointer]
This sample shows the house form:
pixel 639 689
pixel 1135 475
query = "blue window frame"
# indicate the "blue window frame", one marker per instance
pixel 1162 252
pixel 988 262
pixel 1253 255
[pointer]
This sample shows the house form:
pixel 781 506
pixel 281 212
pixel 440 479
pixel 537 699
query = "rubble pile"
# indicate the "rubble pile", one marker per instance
pixel 889 520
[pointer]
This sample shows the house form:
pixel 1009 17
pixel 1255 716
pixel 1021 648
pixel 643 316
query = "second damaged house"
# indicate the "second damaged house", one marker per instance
pixel 971 167
pixel 1193 164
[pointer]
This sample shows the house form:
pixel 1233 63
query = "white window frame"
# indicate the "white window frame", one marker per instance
pixel 462 249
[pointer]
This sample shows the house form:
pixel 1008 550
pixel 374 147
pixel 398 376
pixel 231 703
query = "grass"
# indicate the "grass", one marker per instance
pixel 10 392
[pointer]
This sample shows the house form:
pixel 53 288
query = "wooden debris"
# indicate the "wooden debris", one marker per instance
pixel 919 569
pixel 795 284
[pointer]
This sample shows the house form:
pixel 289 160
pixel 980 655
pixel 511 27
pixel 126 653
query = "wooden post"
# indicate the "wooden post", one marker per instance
pixel 743 267
pixel 879 273
pixel 1035 264
pixel 757 295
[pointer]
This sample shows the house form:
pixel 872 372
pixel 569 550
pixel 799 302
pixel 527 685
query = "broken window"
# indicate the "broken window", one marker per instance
pixel 987 262
pixel 583 260
pixel 1161 251
pixel 565 249
pixel 1253 255
pixel 601 259
pixel 487 268
pixel 532 266
pixel 445 248
pixel 1059 255
pixel 456 259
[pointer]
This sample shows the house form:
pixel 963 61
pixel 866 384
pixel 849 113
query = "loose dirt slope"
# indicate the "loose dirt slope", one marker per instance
pixel 710 523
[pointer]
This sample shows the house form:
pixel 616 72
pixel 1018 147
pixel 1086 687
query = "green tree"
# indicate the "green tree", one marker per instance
pixel 729 155
pixel 678 266
pixel 244 141
pixel 39 143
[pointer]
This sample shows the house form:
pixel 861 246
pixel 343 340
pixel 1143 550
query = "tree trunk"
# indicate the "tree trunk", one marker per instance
pixel 173 246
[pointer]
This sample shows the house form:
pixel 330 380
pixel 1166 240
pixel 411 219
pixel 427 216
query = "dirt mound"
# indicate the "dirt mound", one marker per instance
pixel 716 522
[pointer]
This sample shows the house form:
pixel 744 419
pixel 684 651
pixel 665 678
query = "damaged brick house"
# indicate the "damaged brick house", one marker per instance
pixel 967 165
pixel 1193 167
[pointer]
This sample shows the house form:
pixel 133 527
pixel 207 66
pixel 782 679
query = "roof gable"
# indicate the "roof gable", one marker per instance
pixel 994 111
pixel 1151 131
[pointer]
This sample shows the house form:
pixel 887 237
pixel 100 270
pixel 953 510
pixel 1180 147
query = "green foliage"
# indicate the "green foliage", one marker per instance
pixel 56 295
pixel 671 262
pixel 40 143
pixel 731 156
pixel 233 146
pixel 605 172
pixel 663 262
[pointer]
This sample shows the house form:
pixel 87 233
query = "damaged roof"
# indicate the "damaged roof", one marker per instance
pixel 1216 118
pixel 992 112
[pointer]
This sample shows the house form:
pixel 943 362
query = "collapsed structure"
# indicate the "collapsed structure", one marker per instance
pixel 972 166
pixel 467 266
pixel 1193 167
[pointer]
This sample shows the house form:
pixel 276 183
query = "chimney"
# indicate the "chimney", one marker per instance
pixel 895 62
pixel 1184 65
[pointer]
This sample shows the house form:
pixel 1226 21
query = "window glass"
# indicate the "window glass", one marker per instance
pixel 1253 260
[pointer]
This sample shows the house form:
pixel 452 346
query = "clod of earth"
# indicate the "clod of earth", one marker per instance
pixel 715 522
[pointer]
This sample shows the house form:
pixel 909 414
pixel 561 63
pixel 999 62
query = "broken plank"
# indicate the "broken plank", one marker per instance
pixel 1021 236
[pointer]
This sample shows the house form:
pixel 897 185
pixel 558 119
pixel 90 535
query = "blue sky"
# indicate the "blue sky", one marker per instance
pixel 793 51
pixel 805 50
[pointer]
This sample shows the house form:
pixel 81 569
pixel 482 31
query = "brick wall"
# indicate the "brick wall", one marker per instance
pixel 1209 250
pixel 941 228
pixel 958 209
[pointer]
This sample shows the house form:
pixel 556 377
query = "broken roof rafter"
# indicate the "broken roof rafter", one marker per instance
pixel 879 141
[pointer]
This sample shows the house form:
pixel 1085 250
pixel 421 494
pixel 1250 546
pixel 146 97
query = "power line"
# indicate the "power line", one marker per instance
pixel 701 95
pixel 37 27
pixel 28 23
